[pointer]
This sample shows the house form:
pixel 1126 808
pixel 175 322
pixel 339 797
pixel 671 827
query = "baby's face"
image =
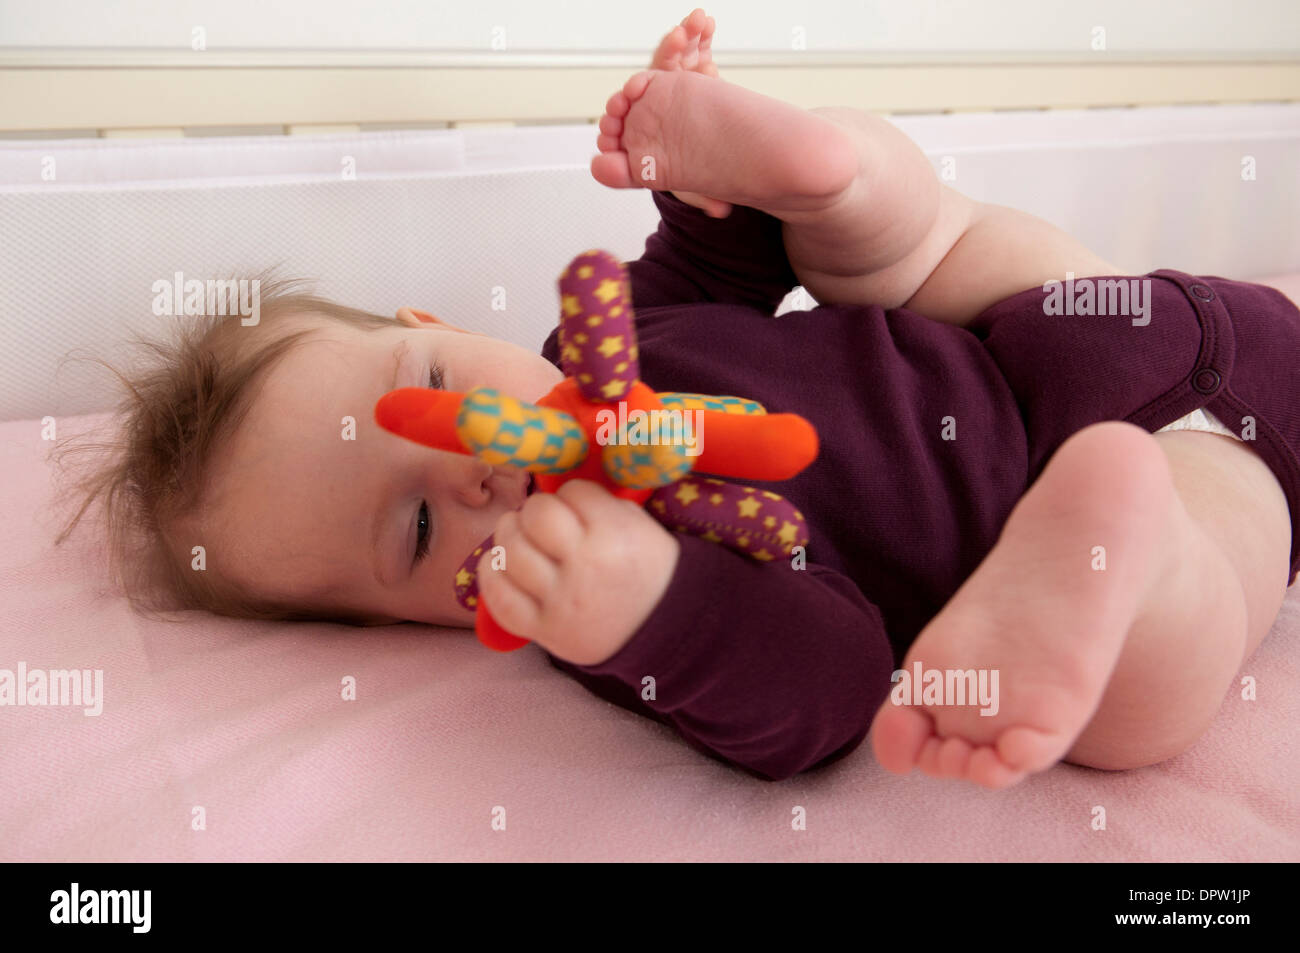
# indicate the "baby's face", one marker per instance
pixel 302 514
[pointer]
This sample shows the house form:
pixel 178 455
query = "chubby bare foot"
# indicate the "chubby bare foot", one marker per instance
pixel 683 131
pixel 687 46
pixel 1089 551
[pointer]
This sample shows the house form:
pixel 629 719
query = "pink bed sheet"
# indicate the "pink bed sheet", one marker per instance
pixel 245 720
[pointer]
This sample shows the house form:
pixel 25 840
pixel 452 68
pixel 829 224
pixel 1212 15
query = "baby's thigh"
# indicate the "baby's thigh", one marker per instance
pixel 879 239
pixel 1235 497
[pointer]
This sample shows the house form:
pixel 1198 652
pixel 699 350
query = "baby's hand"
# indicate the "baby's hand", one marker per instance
pixel 583 570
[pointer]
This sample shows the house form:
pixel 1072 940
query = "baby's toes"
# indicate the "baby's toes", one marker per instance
pixel 931 758
pixel 611 131
pixel 898 736
pixel 928 759
pixel 610 169
pixel 633 90
pixel 697 22
pixel 1029 749
pixel 987 770
pixel 670 50
pixel 617 106
pixel 611 125
pixel 954 757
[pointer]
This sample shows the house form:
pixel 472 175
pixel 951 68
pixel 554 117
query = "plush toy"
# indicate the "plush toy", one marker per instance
pixel 602 423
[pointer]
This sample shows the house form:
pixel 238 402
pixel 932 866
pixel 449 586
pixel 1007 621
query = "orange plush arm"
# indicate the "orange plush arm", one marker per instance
pixel 760 447
pixel 425 416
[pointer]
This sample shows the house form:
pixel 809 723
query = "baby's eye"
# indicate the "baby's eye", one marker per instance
pixel 422 532
pixel 435 377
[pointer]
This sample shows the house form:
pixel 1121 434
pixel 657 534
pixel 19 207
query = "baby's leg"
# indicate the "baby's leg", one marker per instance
pixel 683 132
pixel 1112 664
pixel 1176 664
pixel 936 251
pixel 866 219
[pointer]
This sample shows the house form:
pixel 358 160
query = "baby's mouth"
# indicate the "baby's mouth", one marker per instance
pixel 532 485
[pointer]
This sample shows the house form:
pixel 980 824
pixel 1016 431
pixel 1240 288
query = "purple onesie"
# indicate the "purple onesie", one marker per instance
pixel 929 435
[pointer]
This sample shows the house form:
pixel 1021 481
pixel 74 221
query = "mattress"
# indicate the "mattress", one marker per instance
pixel 224 740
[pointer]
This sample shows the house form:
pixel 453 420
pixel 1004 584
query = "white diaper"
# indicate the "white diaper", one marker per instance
pixel 1201 420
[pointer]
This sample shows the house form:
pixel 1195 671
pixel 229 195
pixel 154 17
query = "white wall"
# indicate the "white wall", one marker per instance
pixel 1238 27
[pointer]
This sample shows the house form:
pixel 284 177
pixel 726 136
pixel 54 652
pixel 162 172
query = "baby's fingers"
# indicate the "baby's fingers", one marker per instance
pixel 516 592
pixel 551 526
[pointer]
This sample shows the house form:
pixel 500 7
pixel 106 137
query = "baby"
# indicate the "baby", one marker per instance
pixel 1003 486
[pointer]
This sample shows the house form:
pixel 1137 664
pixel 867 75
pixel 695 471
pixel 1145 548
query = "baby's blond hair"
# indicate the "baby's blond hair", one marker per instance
pixel 176 414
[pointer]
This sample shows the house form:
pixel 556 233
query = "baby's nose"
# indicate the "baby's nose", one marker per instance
pixel 466 478
pixel 513 481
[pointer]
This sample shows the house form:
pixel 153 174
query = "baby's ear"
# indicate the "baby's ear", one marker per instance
pixel 414 319
pixel 422 319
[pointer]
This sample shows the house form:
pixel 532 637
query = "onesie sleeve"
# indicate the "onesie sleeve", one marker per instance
pixel 691 258
pixel 771 669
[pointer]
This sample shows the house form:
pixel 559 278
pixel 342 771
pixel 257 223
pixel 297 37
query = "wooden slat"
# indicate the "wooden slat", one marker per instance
pixel 320 128
pixel 480 123
pixel 38 98
pixel 168 132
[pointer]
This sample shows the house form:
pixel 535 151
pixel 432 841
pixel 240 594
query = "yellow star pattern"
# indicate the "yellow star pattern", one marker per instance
pixel 788 533
pixel 464 577
pixel 611 345
pixel 614 388
pixel 570 305
pixel 607 290
pixel 748 507
pixel 585 271
pixel 687 494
